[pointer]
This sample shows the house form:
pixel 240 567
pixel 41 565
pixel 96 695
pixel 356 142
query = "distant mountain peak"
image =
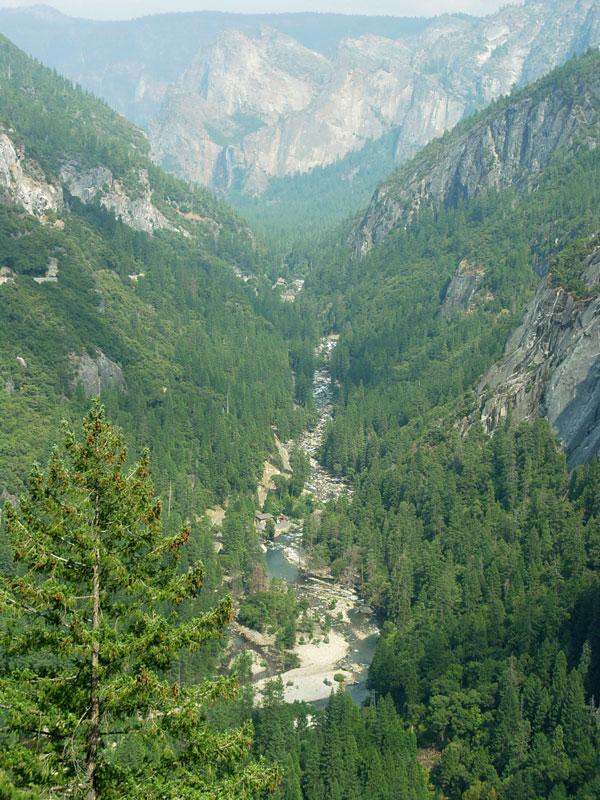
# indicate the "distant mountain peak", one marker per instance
pixel 235 100
pixel 375 84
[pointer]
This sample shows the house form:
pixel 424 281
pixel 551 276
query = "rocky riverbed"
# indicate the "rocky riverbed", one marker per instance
pixel 321 484
pixel 343 632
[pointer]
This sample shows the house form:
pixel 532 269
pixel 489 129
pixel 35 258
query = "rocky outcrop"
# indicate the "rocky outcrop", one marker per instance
pixel 22 182
pixel 462 288
pixel 241 103
pixel 551 368
pixel 252 107
pixel 223 119
pixel 134 208
pixel 508 148
pixel 86 183
pixel 97 373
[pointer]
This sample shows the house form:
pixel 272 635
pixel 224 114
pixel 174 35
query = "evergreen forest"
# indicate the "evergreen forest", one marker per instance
pixel 479 554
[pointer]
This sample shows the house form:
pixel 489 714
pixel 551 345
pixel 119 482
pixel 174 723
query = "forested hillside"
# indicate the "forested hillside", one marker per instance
pixel 429 308
pixel 484 555
pixel 481 553
pixel 233 101
pixel 339 752
pixel 301 206
pixel 122 282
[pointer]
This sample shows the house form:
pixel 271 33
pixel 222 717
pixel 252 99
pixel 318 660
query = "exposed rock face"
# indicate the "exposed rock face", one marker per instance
pixel 551 368
pixel 508 148
pixel 85 184
pixel 223 118
pixel 98 183
pixel 462 288
pixel 22 182
pixel 97 373
pixel 251 107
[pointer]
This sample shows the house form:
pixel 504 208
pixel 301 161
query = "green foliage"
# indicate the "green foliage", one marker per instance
pixel 89 633
pixel 483 561
pixel 275 609
pixel 303 203
pixel 205 358
pixel 342 752
pixel 206 377
pixel 401 363
pixel 300 466
pixel 487 568
pixel 569 265
pixel 51 118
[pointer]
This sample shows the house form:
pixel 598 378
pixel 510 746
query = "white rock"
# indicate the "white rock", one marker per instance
pixel 21 182
pixel 137 212
pixel 248 108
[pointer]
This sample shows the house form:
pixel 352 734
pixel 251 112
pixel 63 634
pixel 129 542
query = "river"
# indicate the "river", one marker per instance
pixel 348 647
pixel 321 483
pixel 357 628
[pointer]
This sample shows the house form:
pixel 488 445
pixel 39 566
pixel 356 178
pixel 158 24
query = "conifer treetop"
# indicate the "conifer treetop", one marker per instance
pixel 90 631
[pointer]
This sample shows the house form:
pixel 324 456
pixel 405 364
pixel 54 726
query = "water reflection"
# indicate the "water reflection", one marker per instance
pixel 362 629
pixel 278 566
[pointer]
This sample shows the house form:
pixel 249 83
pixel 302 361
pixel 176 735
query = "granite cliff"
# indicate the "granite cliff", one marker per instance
pixel 251 107
pixel 508 146
pixel 551 367
pixel 232 100
pixel 96 374
pixel 24 183
pixel 134 208
pixel 519 147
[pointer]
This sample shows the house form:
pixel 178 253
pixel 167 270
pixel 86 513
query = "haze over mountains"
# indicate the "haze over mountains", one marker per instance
pixel 231 101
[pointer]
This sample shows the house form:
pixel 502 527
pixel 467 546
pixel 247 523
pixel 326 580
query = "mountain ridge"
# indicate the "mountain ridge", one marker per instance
pixel 382 78
pixel 418 87
pixel 119 279
pixel 507 144
pixel 460 238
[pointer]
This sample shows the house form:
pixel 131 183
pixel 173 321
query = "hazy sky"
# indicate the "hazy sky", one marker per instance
pixel 124 9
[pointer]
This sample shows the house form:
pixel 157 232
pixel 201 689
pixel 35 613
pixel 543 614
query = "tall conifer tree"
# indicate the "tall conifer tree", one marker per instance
pixel 90 633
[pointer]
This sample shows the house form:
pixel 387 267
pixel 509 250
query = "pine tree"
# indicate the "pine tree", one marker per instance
pixel 89 634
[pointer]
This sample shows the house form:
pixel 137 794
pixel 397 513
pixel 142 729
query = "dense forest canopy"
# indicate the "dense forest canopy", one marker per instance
pixel 206 360
pixel 481 554
pixel 90 638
